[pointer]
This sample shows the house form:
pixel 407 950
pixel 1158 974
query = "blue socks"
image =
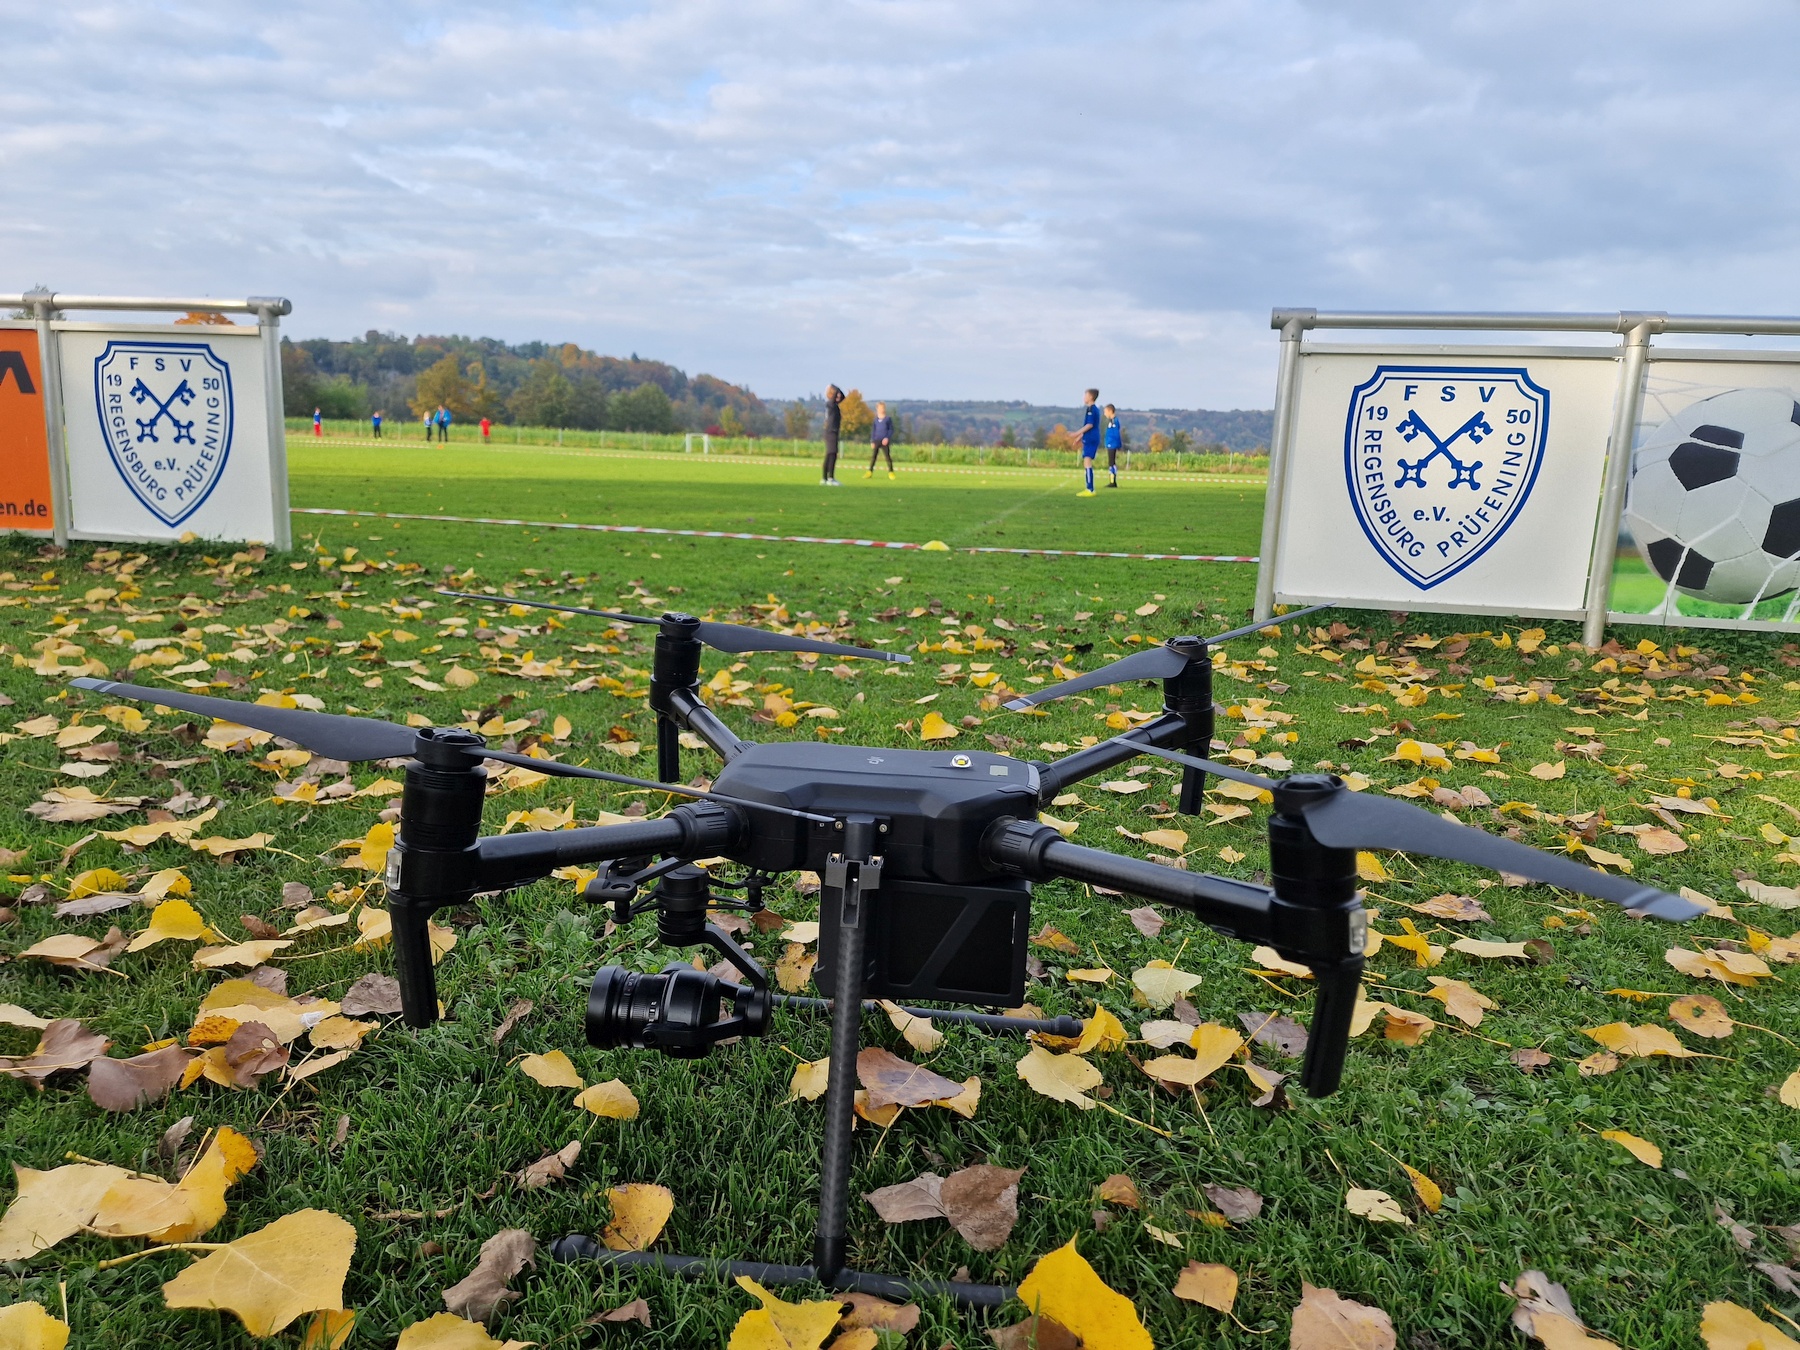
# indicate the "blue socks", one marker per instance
pixel 1089 464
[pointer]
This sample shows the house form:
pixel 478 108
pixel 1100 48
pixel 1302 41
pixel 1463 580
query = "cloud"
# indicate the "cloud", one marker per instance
pixel 927 199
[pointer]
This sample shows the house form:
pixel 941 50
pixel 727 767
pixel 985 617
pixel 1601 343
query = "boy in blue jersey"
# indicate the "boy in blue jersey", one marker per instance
pixel 1115 440
pixel 1090 438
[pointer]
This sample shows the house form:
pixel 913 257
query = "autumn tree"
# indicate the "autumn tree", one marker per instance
pixel 858 417
pixel 444 383
pixel 797 421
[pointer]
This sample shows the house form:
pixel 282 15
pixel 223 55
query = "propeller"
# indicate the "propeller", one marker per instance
pixel 357 739
pixel 1340 818
pixel 1162 662
pixel 731 638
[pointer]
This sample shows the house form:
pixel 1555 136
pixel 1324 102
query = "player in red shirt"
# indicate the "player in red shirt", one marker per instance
pixel 485 426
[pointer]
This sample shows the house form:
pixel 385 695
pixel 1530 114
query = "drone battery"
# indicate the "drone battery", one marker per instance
pixel 934 943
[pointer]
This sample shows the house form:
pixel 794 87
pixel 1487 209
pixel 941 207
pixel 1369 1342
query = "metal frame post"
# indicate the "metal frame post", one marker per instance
pixel 1293 323
pixel 43 312
pixel 1627 404
pixel 269 310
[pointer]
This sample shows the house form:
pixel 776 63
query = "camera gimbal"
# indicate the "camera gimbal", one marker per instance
pixel 926 858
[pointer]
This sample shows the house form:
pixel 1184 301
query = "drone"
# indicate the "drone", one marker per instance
pixel 926 860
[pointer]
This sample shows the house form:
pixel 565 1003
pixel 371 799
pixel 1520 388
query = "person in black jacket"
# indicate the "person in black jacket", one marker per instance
pixel 881 440
pixel 834 419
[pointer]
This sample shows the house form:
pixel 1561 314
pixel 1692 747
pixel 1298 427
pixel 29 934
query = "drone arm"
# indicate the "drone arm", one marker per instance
pixel 690 712
pixel 696 830
pixel 1169 729
pixel 1037 852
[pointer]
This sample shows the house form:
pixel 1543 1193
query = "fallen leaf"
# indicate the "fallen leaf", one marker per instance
pixel 1119 1189
pixel 1035 1333
pixel 639 1211
pixel 1062 1286
pixel 519 1009
pixel 483 1292
pixel 50 1206
pixel 811 1078
pixel 1702 1015
pixel 242 954
pixel 1237 1203
pixel 919 1031
pixel 1529 1059
pixel 269 1277
pixel 126 1084
pixel 891 1080
pixel 77 952
pixel 1063 1078
pixel 1548 772
pixel 1638 1041
pixel 447 1331
pixel 1740 968
pixel 795 968
pixel 373 993
pixel 611 1099
pixel 1460 1000
pixel 12 1015
pixel 1430 1194
pixel 141 1206
pixel 1277 1032
pixel 64 1045
pixel 1375 1206
pixel 1324 1321
pixel 1599 1064
pixel 1460 908
pixel 1214 1286
pixel 1171 840
pixel 27 1326
pixel 935 728
pixel 909 1201
pixel 1641 1149
pixel 1491 950
pixel 635 1311
pixel 327 1330
pixel 1726 1326
pixel 554 1070
pixel 1789 1092
pixel 1146 920
pixel 982 1204
pixel 780 1325
pixel 1161 984
pixel 878 1314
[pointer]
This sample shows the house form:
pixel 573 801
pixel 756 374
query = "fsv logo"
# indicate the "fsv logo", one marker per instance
pixel 1440 460
pixel 166 412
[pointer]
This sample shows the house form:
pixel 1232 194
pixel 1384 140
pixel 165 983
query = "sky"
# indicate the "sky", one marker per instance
pixel 922 199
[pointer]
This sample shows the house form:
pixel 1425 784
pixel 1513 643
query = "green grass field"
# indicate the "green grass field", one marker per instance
pixel 434 1123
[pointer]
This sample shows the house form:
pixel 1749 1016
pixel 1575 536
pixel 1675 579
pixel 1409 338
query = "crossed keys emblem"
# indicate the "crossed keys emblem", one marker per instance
pixel 1463 475
pixel 184 431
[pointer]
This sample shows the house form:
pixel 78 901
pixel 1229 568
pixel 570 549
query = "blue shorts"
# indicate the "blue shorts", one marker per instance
pixel 1089 451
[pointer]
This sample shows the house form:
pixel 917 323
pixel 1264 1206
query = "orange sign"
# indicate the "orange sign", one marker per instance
pixel 24 452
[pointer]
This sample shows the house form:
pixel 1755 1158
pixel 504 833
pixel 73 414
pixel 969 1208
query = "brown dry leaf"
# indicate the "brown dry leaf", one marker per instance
pixel 635 1311
pixel 252 1051
pixel 53 1205
pixel 483 1292
pixel 519 1009
pixel 1119 1189
pixel 1529 1059
pixel 554 1070
pixel 126 1084
pixel 291 1267
pixel 1375 1206
pixel 551 1167
pixel 910 1201
pixel 77 952
pixel 1237 1203
pixel 1278 1032
pixel 1599 1064
pixel 1641 1149
pixel 878 1314
pixel 1063 1287
pixel 1638 1041
pixel 1460 1000
pixel 1460 908
pixel 1726 1326
pixel 891 1080
pixel 64 1045
pixel 611 1100
pixel 1035 1333
pixel 373 993
pixel 1065 1078
pixel 1145 919
pixel 639 1209
pixel 1214 1286
pixel 1703 1015
pixel 982 1203
pixel 1324 1321
pixel 780 1325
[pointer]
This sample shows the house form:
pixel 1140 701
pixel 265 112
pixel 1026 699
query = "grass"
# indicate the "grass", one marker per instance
pixel 437 1118
pixel 1638 590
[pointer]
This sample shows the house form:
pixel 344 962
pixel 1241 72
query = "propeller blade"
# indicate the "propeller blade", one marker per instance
pixel 1348 819
pixel 1153 663
pixel 336 737
pixel 1221 768
pixel 560 770
pixel 731 638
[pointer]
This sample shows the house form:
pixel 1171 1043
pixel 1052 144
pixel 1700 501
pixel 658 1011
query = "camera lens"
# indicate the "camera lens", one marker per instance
pixel 671 1011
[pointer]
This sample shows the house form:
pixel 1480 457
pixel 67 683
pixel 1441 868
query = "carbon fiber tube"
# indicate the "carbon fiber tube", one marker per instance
pixel 698 828
pixel 1013 1026
pixel 412 961
pixel 1328 1038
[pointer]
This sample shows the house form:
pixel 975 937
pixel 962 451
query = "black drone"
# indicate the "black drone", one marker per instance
pixel 926 859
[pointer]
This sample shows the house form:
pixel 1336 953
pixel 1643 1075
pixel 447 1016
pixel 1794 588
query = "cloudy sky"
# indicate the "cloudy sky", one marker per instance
pixel 955 200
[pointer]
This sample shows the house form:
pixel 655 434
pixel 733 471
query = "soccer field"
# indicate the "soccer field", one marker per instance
pixel 959 505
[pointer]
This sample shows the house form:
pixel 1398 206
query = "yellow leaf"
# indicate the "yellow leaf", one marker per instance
pixel 1324 1321
pixel 935 728
pixel 328 1330
pixel 1063 827
pixel 1243 792
pixel 1124 787
pixel 1425 952
pixel 780 1325
pixel 811 1078
pixel 919 1032
pixel 640 1210
pixel 138 1206
pixel 1172 840
pixel 1063 1078
pixel 1090 975
pixel 541 818
pixel 447 1331
pixel 294 1266
pixel 1725 1326
pixel 1063 1287
pixel 1408 1028
pixel 1641 1149
pixel 1606 858
pixel 1548 772
pixel 1729 967
pixel 1490 950
pixel 372 848
pixel 1376 1207
pixel 611 1099
pixel 1461 1001
pixel 458 678
pixel 169 881
pixel 1369 868
pixel 340 1033
pixel 1430 1194
pixel 552 1070
pixel 51 1206
pixel 1270 959
pixel 26 1326
pixel 1214 1286
pixel 1624 1039
pixel 174 920
pixel 95 882
pixel 1702 1015
pixel 375 927
pixel 1790 1090
pixel 1161 984
pixel 1102 1032
pixel 246 954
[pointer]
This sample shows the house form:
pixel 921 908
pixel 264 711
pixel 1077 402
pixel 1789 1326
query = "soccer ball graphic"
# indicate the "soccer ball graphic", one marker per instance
pixel 1715 497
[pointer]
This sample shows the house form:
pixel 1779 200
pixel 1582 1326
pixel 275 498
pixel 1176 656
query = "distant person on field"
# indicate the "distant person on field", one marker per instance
pixel 881 440
pixel 430 421
pixel 486 426
pixel 443 420
pixel 376 423
pixel 318 429
pixel 834 421
pixel 1115 441
pixel 1090 438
